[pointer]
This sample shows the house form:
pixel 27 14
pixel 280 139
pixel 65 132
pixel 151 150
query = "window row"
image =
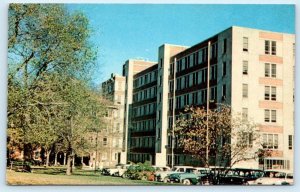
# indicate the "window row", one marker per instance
pixel 145 94
pixel 270 141
pixel 194 59
pixel 146 109
pixel 138 157
pixel 145 79
pixel 270 69
pixel 194 78
pixel 146 125
pixel 194 98
pixel 143 142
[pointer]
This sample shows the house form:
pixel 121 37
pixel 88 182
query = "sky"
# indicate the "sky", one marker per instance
pixel 131 31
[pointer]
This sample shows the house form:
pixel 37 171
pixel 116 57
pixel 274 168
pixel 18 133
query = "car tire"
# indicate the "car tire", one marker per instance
pixel 166 180
pixel 186 182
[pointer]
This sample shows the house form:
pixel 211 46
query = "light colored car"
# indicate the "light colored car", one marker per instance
pixel 113 171
pixel 275 177
pixel 122 170
pixel 164 175
pixel 191 176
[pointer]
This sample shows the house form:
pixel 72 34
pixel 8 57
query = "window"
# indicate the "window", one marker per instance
pixel 104 141
pixel 224 91
pixel 273 48
pixel 178 102
pixel 273 93
pixel 195 98
pixel 213 93
pixel 224 45
pixel 270 70
pixel 186 99
pixel 186 81
pixel 267 47
pixel 204 75
pixel 267 115
pixel 273 116
pixel 267 92
pixel 203 95
pixel 195 78
pixel 270 141
pixel 267 69
pixel 273 70
pixel 245 90
pixel 244 114
pixel 270 47
pixel 245 44
pixel 224 68
pixel 245 67
pixel 290 141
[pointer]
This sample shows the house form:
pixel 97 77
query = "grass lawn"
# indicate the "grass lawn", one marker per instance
pixel 56 176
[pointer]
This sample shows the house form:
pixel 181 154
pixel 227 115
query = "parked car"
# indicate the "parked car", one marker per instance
pixel 191 176
pixel 113 171
pixel 105 171
pixel 275 177
pixel 161 168
pixel 240 176
pixel 122 170
pixel 164 175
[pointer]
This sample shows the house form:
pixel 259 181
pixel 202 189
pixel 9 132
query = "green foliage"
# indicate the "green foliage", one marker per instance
pixel 140 171
pixel 50 66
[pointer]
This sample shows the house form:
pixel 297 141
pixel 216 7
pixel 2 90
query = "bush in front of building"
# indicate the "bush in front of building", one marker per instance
pixel 140 171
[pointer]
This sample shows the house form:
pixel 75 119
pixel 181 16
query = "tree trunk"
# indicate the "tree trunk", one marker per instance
pixel 65 158
pixel 82 160
pixel 69 162
pixel 55 159
pixel 47 157
pixel 73 161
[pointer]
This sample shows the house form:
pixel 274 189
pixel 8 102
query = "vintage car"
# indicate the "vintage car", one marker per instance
pixel 122 170
pixel 192 176
pixel 239 176
pixel 164 175
pixel 114 171
pixel 275 177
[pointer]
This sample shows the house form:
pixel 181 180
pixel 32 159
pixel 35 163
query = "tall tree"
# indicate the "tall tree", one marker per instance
pixel 228 138
pixel 50 66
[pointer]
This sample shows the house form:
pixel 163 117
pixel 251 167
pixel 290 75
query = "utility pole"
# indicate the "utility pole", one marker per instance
pixel 207 103
pixel 173 111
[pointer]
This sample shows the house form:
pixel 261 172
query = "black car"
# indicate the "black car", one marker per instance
pixel 239 176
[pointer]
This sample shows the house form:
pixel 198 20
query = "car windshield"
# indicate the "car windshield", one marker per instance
pixel 190 170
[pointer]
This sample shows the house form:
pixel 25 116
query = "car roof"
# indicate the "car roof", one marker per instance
pixel 183 167
pixel 279 170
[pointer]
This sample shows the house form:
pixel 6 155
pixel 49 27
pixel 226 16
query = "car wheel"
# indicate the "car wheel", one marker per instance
pixel 166 180
pixel 186 182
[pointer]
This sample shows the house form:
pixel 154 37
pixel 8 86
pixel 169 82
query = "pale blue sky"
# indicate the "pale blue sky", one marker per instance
pixel 136 31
